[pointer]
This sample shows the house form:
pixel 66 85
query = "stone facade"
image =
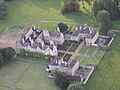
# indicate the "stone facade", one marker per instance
pixel 40 41
pixel 69 68
pixel 46 42
pixel 91 41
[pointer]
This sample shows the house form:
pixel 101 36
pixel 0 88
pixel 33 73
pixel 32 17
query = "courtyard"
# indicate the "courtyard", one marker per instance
pixel 90 55
pixel 87 55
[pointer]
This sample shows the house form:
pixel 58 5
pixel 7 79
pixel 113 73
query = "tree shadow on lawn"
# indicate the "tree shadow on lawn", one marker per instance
pixel 116 24
pixel 81 17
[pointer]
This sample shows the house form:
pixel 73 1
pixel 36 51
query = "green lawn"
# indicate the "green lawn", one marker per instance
pixel 19 11
pixel 5 88
pixel 78 57
pixel 83 50
pixel 90 50
pixel 100 54
pixel 86 55
pixel 89 60
pixel 105 77
pixel 36 78
pixel 25 75
pixel 10 73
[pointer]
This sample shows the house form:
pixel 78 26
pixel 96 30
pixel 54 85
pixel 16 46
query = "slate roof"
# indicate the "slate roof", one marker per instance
pixel 84 30
pixel 90 31
pixel 67 36
pixel 54 33
pixel 103 41
pixel 75 33
pixel 34 36
pixel 73 62
pixel 58 59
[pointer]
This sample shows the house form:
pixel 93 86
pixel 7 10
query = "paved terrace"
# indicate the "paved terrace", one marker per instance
pixel 65 52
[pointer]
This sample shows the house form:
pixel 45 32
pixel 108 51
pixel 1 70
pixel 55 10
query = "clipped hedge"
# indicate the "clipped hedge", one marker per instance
pixel 34 54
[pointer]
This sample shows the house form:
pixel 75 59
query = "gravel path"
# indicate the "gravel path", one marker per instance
pixel 26 60
pixel 56 21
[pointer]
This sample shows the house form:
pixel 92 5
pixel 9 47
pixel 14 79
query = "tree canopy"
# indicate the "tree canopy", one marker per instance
pixel 104 18
pixel 6 54
pixel 63 27
pixel 70 6
pixel 1 59
pixel 117 1
pixel 108 5
pixel 61 80
pixel 7 0
pixel 2 9
pixel 75 86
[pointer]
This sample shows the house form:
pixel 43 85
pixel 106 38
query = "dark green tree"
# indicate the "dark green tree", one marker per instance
pixel 116 1
pixel 119 5
pixel 2 9
pixel 70 6
pixel 97 6
pixel 61 80
pixel 112 8
pixel 83 4
pixel 63 27
pixel 104 18
pixel 87 1
pixel 75 86
pixel 7 0
pixel 108 5
pixel 8 53
pixel 1 59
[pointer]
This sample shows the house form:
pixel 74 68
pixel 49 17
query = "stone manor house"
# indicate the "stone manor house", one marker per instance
pixel 45 41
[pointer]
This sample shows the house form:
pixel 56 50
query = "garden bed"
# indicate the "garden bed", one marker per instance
pixel 64 46
pixel 67 57
pixel 60 54
pixel 36 55
pixel 73 48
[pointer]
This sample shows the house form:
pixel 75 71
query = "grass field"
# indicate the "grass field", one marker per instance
pixel 25 76
pixel 19 11
pixel 89 60
pixel 10 73
pixel 90 55
pixel 105 77
pixel 83 50
pixel 90 50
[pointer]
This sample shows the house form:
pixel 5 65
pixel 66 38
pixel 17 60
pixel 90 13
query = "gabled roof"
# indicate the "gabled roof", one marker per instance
pixel 89 31
pixel 54 34
pixel 57 61
pixel 84 30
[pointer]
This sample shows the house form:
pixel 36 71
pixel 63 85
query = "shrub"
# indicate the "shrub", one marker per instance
pixel 34 54
pixel 8 53
pixel 61 80
pixel 63 27
pixel 70 6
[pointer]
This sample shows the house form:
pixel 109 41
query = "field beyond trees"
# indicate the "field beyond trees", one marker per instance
pixel 29 76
